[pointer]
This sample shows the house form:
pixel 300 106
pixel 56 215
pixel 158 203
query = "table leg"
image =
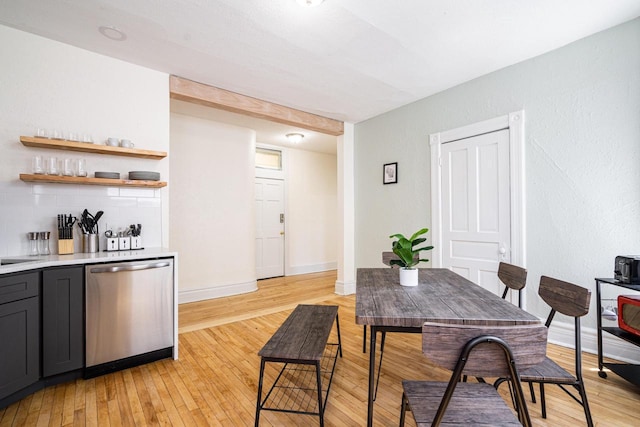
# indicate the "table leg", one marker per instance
pixel 372 367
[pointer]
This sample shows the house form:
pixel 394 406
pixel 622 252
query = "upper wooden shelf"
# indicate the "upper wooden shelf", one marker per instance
pixel 60 144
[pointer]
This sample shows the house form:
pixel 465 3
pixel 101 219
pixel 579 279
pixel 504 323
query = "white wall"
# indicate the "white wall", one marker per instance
pixel 312 226
pixel 55 86
pixel 213 176
pixel 212 207
pixel 582 155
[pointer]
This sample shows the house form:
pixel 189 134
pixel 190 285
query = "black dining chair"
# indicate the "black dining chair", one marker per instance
pixel 570 300
pixel 514 278
pixel 476 350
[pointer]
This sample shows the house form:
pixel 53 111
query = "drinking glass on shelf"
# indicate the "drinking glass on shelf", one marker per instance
pixel 38 165
pixel 81 168
pixel 67 170
pixel 52 166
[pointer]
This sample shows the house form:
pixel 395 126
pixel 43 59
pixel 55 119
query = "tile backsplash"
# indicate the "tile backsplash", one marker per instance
pixel 26 207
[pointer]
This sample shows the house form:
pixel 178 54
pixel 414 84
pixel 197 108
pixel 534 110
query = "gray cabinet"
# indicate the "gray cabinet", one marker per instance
pixel 19 332
pixel 62 320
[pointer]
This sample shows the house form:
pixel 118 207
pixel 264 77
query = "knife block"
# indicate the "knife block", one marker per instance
pixel 65 246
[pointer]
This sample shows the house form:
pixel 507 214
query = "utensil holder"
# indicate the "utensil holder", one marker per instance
pixel 65 246
pixel 112 244
pixel 124 243
pixel 90 243
pixel 136 242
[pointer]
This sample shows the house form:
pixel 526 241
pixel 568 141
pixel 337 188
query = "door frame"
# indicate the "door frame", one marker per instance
pixel 282 176
pixel 514 122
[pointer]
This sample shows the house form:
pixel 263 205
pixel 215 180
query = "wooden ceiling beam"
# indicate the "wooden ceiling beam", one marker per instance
pixel 211 96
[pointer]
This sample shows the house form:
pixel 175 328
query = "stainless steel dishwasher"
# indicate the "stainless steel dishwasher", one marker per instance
pixel 129 314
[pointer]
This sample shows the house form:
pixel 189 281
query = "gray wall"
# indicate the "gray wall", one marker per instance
pixel 582 150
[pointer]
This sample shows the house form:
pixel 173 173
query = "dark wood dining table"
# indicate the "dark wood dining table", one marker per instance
pixel 441 296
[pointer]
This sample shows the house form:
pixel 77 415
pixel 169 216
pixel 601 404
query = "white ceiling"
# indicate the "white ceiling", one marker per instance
pixel 345 59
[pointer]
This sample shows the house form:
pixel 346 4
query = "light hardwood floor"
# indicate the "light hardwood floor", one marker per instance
pixel 214 382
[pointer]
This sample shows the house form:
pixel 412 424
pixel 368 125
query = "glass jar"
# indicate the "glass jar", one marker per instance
pixel 33 243
pixel 44 243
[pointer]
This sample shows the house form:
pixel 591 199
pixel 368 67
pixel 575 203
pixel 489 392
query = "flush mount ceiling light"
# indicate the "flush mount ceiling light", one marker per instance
pixel 112 33
pixel 294 138
pixel 309 3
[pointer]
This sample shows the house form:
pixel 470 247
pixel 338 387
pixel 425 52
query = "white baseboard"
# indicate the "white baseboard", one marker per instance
pixel 216 292
pixel 314 268
pixel 345 288
pixel 562 334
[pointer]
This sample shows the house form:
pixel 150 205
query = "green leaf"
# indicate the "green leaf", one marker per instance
pixel 419 233
pixel 416 242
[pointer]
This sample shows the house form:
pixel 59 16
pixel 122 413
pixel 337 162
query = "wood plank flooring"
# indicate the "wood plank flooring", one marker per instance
pixel 214 382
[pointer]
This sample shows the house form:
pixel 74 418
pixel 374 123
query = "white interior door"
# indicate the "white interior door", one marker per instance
pixel 476 228
pixel 269 228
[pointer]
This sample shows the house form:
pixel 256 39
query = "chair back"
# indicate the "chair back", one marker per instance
pixel 564 297
pixel 443 345
pixel 387 256
pixel 512 276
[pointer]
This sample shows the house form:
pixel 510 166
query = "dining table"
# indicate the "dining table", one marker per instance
pixel 441 296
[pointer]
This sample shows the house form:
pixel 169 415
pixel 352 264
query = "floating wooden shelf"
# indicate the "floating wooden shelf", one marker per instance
pixel 60 144
pixel 55 179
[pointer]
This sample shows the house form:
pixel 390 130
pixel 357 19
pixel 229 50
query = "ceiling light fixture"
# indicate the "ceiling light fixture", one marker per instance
pixel 112 33
pixel 309 3
pixel 294 138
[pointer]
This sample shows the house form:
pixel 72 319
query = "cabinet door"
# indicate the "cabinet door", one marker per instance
pixel 62 320
pixel 19 345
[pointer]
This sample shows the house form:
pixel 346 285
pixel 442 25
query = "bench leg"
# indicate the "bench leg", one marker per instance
pixel 320 407
pixel 259 403
pixel 339 340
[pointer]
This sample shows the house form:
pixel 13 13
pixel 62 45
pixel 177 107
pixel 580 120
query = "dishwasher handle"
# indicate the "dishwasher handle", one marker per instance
pixel 131 267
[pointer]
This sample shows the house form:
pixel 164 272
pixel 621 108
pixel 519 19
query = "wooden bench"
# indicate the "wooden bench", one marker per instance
pixel 301 343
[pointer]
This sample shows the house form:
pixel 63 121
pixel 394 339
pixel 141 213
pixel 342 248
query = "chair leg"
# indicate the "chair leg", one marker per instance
pixel 375 393
pixel 533 393
pixel 403 409
pixel 585 404
pixel 364 339
pixel 543 401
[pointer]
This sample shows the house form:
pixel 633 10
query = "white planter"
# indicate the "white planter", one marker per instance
pixel 408 276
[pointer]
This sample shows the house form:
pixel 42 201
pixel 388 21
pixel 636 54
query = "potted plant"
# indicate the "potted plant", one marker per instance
pixel 408 254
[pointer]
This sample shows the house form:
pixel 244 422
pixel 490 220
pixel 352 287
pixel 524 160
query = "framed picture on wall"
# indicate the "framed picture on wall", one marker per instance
pixel 390 173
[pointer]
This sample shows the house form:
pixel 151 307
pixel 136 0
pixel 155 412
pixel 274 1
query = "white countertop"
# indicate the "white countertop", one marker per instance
pixel 36 262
